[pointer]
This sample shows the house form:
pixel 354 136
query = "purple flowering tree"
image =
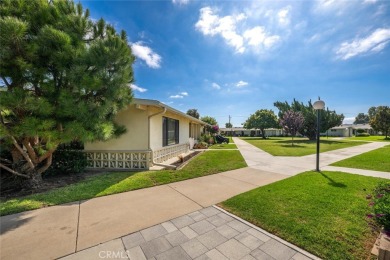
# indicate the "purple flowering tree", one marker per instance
pixel 214 129
pixel 291 122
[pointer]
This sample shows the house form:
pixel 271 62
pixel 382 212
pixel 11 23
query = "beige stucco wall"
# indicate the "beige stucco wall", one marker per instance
pixel 156 129
pixel 136 138
pixel 136 122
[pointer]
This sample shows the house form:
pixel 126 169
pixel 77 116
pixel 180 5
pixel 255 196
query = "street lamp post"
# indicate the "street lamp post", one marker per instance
pixel 318 105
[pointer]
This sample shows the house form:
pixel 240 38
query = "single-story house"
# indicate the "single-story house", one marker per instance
pixel 348 130
pixel 155 133
pixel 240 131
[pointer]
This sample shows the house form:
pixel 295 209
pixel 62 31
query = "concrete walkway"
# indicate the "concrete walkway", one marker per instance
pixel 62 230
pixel 57 231
pixel 290 165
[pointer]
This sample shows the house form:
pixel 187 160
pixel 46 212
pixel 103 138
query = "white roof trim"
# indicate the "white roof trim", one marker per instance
pixel 156 103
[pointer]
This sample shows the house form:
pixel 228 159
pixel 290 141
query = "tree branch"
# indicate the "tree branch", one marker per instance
pixel 17 146
pixel 20 149
pixel 12 171
pixel 30 150
pixel 47 164
pixel 46 155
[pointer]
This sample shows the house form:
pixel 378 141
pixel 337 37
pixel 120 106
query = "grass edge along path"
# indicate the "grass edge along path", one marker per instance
pixel 371 138
pixel 210 162
pixel 323 213
pixel 281 146
pixel 376 160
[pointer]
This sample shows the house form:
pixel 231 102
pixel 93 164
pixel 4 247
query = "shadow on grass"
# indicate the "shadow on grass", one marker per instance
pixel 333 182
pixel 310 142
pixel 293 146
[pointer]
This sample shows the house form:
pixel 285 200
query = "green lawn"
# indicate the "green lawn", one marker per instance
pixel 210 162
pixel 377 160
pixel 323 213
pixel 371 138
pixel 223 146
pixel 281 146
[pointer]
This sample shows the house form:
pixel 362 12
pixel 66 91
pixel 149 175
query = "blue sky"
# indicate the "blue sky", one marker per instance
pixel 234 57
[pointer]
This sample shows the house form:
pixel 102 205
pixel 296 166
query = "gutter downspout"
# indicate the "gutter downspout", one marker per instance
pixel 152 115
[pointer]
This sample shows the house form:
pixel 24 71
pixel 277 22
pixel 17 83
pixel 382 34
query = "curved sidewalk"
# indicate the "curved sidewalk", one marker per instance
pixel 291 165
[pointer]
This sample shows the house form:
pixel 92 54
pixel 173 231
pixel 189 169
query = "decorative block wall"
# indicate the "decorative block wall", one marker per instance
pixel 127 160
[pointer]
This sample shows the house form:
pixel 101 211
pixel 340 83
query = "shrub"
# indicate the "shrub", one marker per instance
pixel 68 159
pixel 380 203
pixel 360 131
pixel 362 134
pixel 209 139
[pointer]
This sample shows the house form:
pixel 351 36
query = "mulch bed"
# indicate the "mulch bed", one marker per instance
pixel 50 182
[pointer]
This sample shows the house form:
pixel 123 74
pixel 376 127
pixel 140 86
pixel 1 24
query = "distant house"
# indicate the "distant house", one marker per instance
pixel 155 133
pixel 348 130
pixel 240 131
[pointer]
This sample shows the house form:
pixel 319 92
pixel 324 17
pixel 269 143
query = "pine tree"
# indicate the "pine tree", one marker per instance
pixel 64 77
pixel 329 118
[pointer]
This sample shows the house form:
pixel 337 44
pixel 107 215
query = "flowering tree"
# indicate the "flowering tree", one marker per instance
pixel 214 129
pixel 291 123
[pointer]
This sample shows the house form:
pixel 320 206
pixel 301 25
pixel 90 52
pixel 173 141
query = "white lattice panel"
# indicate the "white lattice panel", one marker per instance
pixel 169 152
pixel 131 160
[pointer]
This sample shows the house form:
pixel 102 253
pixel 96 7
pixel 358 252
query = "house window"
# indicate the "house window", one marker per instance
pixel 170 131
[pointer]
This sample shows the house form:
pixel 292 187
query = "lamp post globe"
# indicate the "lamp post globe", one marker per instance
pixel 318 105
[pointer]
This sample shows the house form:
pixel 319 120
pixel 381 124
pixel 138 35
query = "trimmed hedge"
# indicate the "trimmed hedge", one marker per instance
pixel 68 159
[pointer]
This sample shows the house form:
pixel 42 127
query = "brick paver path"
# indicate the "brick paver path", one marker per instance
pixel 209 233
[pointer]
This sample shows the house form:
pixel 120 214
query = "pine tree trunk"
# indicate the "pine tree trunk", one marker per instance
pixel 34 182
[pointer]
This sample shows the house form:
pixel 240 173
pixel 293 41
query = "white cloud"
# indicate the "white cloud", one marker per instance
pixel 375 42
pixel 180 2
pixel 238 34
pixel 136 88
pixel 241 84
pixel 180 95
pixel 257 36
pixel 211 24
pixel 370 1
pixel 348 120
pixel 215 86
pixel 284 16
pixel 146 54
pixel 176 96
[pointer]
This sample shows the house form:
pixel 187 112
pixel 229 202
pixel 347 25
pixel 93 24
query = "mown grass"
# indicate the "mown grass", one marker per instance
pixel 210 162
pixel 376 160
pixel 281 146
pixel 223 146
pixel 371 138
pixel 323 213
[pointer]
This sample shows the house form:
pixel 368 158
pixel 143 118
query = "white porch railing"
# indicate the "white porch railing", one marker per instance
pixel 169 152
pixel 126 160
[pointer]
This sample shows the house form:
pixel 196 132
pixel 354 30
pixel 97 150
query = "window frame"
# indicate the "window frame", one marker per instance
pixel 167 124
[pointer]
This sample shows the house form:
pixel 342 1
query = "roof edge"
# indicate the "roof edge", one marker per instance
pixel 153 102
